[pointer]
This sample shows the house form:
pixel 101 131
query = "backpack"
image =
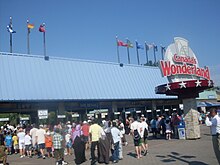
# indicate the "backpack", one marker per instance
pixel 145 133
pixel 136 135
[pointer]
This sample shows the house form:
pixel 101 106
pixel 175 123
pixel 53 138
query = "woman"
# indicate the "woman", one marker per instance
pixel 78 145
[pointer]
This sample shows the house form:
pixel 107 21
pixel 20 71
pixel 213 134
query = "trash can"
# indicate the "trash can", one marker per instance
pixel 181 131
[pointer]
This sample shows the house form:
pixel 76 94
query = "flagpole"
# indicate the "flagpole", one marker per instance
pixel 128 52
pixel 10 35
pixel 154 56
pixel 117 49
pixel 28 38
pixel 137 54
pixel 44 40
pixel 162 52
pixel 146 50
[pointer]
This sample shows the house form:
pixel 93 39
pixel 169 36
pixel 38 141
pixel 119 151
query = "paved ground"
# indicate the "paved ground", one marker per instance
pixel 174 152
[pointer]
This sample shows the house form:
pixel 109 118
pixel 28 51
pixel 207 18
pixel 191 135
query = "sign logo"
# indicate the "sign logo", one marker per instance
pixel 181 64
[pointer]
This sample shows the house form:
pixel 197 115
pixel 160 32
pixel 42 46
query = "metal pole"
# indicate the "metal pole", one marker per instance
pixel 146 50
pixel 10 35
pixel 154 56
pixel 28 39
pixel 128 52
pixel 117 50
pixel 137 54
pixel 44 37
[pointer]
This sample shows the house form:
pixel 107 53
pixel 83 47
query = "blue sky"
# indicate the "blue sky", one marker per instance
pixel 86 29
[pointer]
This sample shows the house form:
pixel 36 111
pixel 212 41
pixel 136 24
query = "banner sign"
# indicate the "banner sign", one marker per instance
pixel 43 114
pixel 181 64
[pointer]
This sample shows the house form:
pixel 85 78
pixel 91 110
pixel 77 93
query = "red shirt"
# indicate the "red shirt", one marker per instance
pixel 85 129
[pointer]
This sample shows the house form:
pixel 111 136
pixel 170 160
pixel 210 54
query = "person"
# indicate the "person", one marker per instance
pixel 95 133
pixel 122 129
pixel 135 131
pixel 68 143
pixel 15 142
pixel 33 136
pixel 175 122
pixel 8 142
pixel 28 144
pixel 3 156
pixel 153 124
pixel 58 150
pixel 163 125
pixel 49 144
pixel 144 135
pixel 21 136
pixel 168 130
pixel 213 121
pixel 78 146
pixel 85 132
pixel 116 136
pixel 105 143
pixel 40 139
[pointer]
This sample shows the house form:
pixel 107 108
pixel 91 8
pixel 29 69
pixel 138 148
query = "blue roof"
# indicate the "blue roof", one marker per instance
pixel 29 77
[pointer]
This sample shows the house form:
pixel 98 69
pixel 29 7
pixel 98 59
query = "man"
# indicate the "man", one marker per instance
pixel 33 132
pixel 21 136
pixel 85 131
pixel 144 134
pixel 40 139
pixel 135 131
pixel 175 120
pixel 116 136
pixel 95 132
pixel 58 149
pixel 213 121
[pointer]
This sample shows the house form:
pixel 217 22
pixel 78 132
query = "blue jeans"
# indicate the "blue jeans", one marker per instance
pixel 115 154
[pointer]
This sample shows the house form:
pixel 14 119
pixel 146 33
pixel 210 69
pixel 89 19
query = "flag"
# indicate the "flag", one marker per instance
pixel 139 46
pixel 10 29
pixel 121 43
pixel 129 44
pixel 30 26
pixel 149 46
pixel 42 28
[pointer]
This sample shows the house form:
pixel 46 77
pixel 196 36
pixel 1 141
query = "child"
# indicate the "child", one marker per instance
pixel 28 144
pixel 8 142
pixel 68 143
pixel 49 144
pixel 168 130
pixel 15 142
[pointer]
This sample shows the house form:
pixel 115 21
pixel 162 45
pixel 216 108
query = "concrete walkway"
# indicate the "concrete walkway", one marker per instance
pixel 174 152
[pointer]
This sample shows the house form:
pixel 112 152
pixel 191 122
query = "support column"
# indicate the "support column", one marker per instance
pixel 154 109
pixel 191 118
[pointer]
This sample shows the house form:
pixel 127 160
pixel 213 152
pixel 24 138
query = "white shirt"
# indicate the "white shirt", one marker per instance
pixel 116 134
pixel 143 125
pixel 27 140
pixel 214 123
pixel 67 138
pixel 40 136
pixel 33 132
pixel 122 127
pixel 136 125
pixel 21 136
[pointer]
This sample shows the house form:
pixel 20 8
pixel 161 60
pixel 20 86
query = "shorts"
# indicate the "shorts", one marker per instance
pixel 58 153
pixel 144 140
pixel 28 147
pixel 49 149
pixel 137 143
pixel 69 145
pixel 41 146
pixel 21 145
pixel 16 146
pixel 8 146
pixel 168 131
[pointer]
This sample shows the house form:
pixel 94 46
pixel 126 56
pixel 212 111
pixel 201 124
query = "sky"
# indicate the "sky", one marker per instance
pixel 86 29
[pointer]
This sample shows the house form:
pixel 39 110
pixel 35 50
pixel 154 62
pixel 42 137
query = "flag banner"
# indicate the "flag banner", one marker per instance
pixel 129 44
pixel 30 26
pixel 10 29
pixel 139 46
pixel 42 28
pixel 149 46
pixel 121 43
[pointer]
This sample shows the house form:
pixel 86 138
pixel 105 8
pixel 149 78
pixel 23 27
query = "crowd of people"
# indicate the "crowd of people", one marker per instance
pixel 105 138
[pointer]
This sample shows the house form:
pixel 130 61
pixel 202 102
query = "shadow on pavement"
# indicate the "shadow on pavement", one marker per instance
pixel 174 156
